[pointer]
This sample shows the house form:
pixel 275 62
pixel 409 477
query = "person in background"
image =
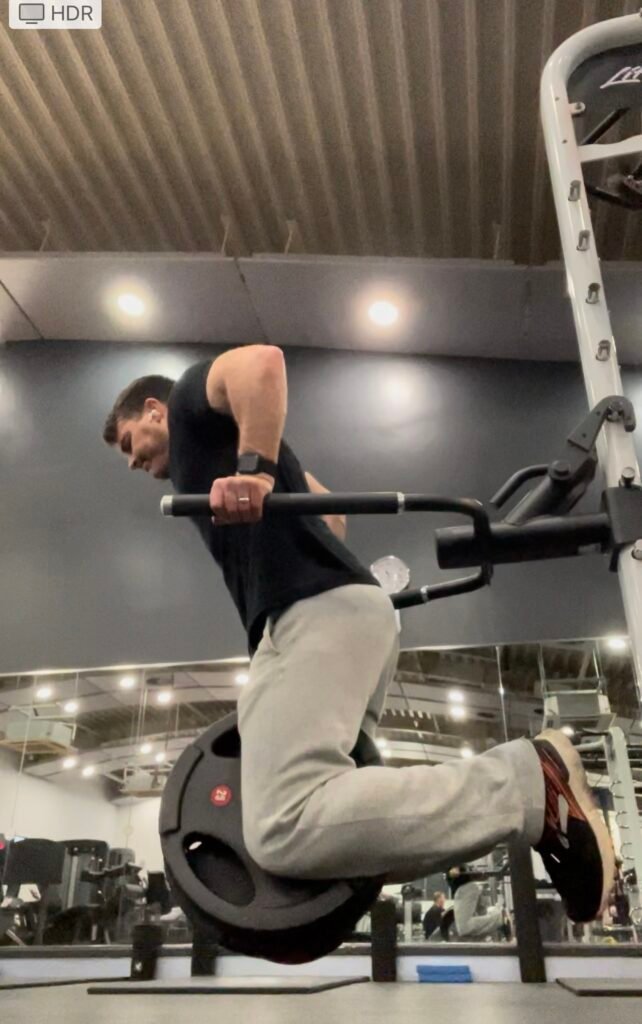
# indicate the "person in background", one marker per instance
pixel 466 892
pixel 434 914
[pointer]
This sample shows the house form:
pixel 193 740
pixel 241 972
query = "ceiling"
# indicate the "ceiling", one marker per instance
pixel 466 308
pixel 397 128
pixel 111 724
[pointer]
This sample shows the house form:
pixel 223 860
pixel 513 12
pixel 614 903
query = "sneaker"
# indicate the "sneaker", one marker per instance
pixel 575 846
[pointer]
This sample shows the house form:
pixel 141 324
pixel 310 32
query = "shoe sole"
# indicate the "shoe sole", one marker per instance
pixel 578 784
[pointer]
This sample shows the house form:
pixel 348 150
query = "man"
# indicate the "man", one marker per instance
pixel 466 891
pixel 434 914
pixel 324 645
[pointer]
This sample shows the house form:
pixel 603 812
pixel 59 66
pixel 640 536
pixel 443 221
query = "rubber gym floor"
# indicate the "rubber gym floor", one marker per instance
pixel 407 1002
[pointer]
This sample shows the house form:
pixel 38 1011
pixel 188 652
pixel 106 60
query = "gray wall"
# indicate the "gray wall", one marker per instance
pixel 92 575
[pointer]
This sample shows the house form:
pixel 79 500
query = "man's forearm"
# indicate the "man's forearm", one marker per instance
pixel 337 524
pixel 258 402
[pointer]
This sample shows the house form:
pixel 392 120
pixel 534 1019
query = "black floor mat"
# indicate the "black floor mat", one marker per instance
pixel 227 986
pixel 602 986
pixel 7 983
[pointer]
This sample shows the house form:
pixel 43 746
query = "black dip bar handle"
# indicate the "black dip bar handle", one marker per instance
pixel 381 502
pixel 378 502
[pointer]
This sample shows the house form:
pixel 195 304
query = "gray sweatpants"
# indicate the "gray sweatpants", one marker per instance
pixel 320 675
pixel 468 923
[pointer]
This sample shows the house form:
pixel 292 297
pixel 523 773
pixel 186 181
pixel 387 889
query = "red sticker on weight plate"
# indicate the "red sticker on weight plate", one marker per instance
pixel 221 796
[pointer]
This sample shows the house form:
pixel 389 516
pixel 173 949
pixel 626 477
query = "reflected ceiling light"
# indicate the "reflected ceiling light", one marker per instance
pixel 456 697
pixel 387 753
pixel 617 643
pixel 568 730
pixel 44 692
pixel 70 762
pixel 130 304
pixel 127 683
pixel 88 771
pixel 70 707
pixel 457 712
pixel 381 743
pixel 466 752
pixel 146 748
pixel 383 313
pixel 164 697
pixel 242 678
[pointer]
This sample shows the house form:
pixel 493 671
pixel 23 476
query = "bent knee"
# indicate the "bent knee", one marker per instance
pixel 273 850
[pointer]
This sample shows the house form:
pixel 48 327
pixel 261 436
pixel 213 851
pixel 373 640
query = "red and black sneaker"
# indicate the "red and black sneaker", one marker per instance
pixel 575 845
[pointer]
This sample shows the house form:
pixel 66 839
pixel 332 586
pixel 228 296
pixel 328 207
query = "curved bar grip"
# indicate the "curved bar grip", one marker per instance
pixel 514 482
pixel 372 503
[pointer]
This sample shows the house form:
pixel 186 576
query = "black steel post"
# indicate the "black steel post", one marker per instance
pixel 530 951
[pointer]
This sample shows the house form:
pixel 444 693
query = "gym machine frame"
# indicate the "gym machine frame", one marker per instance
pixel 538 526
pixel 620 41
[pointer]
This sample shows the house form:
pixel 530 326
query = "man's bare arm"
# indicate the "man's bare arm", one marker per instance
pixel 337 524
pixel 249 383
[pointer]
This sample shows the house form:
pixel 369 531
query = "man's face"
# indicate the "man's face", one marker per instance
pixel 144 440
pixel 440 901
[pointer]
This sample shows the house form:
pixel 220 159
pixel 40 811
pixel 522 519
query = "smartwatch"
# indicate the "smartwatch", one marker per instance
pixel 251 463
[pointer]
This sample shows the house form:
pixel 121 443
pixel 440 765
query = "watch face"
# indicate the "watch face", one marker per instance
pixel 248 463
pixel 391 573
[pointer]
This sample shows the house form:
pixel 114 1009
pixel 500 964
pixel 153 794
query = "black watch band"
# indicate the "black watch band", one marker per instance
pixel 251 463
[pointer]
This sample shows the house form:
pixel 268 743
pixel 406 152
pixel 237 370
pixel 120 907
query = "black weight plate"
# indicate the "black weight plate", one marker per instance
pixel 221 887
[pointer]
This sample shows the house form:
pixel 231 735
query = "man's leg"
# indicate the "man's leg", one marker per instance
pixel 307 812
pixel 482 925
pixel 469 924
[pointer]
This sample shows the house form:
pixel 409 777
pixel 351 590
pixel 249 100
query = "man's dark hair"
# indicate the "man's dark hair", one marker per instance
pixel 130 402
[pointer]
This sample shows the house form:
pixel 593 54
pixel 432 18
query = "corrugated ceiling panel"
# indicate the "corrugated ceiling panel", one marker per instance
pixel 355 127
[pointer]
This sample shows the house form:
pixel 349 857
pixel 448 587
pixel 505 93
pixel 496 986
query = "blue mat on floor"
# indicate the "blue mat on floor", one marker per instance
pixel 444 975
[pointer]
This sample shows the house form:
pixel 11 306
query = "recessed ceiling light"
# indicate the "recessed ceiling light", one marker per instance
pixel 88 771
pixel 131 304
pixel 159 758
pixel 70 762
pixel 70 707
pixel 381 743
pixel 568 730
pixel 127 683
pixel 457 712
pixel 467 752
pixel 617 643
pixel 242 678
pixel 44 692
pixel 456 696
pixel 146 748
pixel 164 697
pixel 383 313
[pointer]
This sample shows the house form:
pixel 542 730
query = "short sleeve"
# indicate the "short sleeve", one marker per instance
pixel 188 397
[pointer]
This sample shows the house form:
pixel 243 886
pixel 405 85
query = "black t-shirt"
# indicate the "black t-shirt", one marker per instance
pixel 268 565
pixel 432 920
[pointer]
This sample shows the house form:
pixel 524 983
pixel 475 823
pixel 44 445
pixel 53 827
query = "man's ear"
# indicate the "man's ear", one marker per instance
pixel 154 408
